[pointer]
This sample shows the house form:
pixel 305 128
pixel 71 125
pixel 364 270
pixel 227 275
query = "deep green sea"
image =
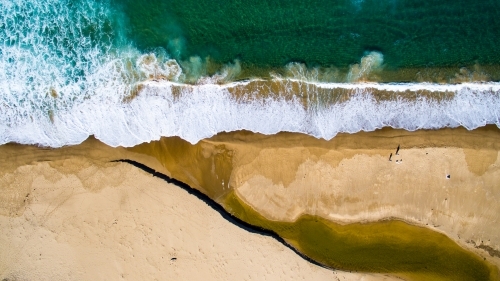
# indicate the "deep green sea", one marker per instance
pixel 272 33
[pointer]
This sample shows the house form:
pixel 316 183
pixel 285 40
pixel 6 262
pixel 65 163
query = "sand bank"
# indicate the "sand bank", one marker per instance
pixel 445 180
pixel 70 214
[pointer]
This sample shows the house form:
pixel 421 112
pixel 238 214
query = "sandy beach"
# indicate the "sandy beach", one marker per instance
pixel 71 214
pixel 444 180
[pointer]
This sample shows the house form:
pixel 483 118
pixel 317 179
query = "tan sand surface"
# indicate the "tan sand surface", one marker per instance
pixel 360 184
pixel 350 178
pixel 70 214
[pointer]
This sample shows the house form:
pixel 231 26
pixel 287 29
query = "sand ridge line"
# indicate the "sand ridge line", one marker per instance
pixel 219 209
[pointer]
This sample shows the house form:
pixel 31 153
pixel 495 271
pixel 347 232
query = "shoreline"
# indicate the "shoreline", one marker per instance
pixel 156 109
pixel 389 86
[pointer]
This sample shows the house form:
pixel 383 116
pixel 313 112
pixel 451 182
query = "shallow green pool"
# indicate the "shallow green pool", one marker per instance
pixel 391 246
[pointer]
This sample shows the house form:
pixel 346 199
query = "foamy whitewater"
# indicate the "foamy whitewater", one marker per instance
pixel 59 84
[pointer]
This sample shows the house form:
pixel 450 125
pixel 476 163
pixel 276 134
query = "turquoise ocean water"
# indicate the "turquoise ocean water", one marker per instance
pixel 132 71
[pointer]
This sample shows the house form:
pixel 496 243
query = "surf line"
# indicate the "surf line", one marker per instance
pixel 223 212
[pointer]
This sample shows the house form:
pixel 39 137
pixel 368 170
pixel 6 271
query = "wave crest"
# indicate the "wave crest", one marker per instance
pixel 201 111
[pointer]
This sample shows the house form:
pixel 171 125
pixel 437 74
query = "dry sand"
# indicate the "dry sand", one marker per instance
pixel 70 214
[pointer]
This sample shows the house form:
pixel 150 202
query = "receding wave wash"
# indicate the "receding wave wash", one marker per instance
pixel 133 71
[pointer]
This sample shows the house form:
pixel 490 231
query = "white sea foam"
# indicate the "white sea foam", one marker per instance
pixel 204 110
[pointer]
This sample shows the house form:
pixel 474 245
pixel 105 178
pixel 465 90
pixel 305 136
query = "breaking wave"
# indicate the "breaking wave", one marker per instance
pixel 194 112
pixel 67 73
